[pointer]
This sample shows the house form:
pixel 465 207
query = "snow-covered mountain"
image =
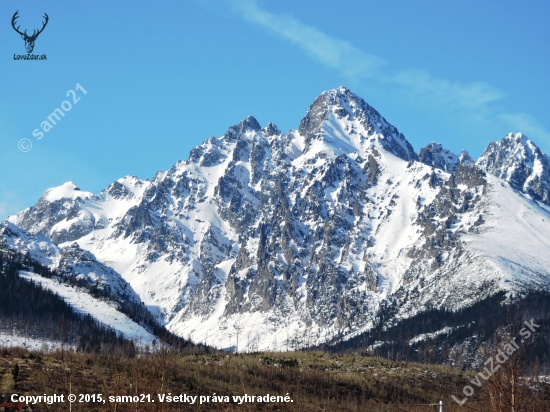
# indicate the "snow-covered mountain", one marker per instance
pixel 77 274
pixel 290 239
pixel 70 261
pixel 435 155
pixel 520 162
pixel 105 312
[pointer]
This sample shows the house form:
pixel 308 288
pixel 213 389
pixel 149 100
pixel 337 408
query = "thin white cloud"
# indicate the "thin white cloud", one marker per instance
pixel 420 85
pixel 475 99
pixel 525 123
pixel 337 54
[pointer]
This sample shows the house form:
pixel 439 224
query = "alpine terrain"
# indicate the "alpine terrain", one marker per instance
pixel 271 240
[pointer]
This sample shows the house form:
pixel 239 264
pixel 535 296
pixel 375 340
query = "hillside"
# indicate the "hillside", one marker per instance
pixel 313 381
pixel 269 240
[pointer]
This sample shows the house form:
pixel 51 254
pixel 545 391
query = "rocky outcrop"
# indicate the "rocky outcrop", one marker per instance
pixel 520 162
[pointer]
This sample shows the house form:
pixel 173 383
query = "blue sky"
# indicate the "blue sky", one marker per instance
pixel 162 77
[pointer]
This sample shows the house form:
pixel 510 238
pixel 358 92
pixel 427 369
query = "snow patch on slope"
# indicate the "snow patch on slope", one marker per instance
pixel 104 312
pixel 515 237
pixel 13 340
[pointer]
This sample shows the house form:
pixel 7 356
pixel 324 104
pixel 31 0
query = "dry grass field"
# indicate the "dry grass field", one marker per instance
pixel 314 381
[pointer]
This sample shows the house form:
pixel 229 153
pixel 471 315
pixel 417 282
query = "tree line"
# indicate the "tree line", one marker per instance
pixel 34 312
pixel 478 324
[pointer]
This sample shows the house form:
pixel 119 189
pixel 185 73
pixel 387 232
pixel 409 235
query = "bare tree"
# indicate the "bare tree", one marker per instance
pixel 238 329
pixel 230 344
pixel 249 343
pixel 63 336
pixel 507 388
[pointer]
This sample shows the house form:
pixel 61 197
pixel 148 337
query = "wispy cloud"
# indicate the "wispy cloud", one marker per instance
pixel 476 99
pixel 525 123
pixel 337 54
pixel 419 84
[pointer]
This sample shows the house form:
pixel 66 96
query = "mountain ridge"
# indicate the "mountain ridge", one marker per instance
pixel 312 231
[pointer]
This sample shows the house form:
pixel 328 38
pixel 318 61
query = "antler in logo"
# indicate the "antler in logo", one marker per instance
pixel 29 40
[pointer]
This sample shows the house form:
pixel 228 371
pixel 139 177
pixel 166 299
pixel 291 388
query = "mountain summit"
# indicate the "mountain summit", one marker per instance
pixel 300 238
pixel 520 162
pixel 340 114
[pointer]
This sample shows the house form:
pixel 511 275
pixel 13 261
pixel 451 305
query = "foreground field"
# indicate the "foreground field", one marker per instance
pixel 314 381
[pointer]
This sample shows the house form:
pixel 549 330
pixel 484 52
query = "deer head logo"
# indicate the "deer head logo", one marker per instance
pixel 29 40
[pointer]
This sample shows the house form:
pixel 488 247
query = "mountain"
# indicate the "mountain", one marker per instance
pixel 70 261
pixel 435 155
pixel 517 160
pixel 97 296
pixel 58 213
pixel 289 240
pixel 41 310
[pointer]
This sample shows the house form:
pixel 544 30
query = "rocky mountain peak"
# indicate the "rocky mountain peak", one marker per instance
pixel 464 158
pixel 250 123
pixel 520 162
pixel 512 149
pixel 342 113
pixel 247 125
pixel 436 156
pixel 340 101
pixel 271 130
pixel 56 204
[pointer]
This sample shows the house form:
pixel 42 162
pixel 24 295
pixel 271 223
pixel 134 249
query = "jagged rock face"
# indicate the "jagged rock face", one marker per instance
pixel 38 247
pixel 306 234
pixel 341 104
pixel 435 155
pixel 58 205
pixel 465 159
pixel 82 265
pixel 521 163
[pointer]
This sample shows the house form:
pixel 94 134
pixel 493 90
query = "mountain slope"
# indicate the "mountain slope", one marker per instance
pixel 33 316
pixel 105 313
pixel 288 240
pixel 70 261
pixel 89 287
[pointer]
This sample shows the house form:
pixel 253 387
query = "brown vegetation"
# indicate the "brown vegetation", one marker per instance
pixel 315 381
